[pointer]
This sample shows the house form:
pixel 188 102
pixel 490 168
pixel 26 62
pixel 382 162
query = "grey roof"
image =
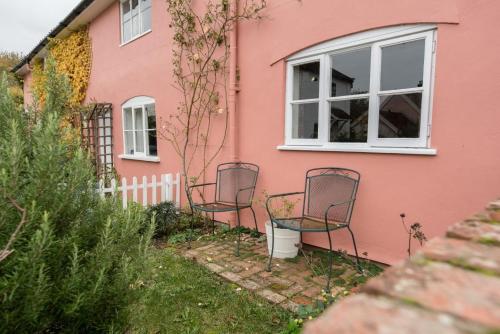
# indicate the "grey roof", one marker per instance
pixel 54 32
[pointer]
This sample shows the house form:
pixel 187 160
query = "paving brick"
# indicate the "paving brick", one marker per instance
pixel 191 254
pixel 202 248
pixel 231 267
pixel 231 276
pixel 249 285
pixel 290 306
pixel 214 267
pixel 312 292
pixel 249 271
pixel 280 281
pixel 364 314
pixel 293 290
pixel 463 253
pixel 443 288
pixel 265 274
pixel 475 231
pixel 301 300
pixel 273 297
pixel 261 281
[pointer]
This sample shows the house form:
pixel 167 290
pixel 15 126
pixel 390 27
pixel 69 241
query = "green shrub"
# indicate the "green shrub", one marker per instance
pixel 166 218
pixel 76 257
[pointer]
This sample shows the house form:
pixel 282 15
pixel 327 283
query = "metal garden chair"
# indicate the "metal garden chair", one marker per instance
pixel 328 201
pixel 234 190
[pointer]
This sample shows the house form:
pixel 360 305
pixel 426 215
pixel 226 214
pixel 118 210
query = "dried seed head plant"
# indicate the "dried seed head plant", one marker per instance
pixel 415 231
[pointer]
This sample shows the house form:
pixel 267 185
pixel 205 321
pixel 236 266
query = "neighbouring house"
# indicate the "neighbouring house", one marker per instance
pixel 402 91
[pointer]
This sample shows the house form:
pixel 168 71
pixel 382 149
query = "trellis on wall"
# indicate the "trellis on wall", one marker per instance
pixel 97 138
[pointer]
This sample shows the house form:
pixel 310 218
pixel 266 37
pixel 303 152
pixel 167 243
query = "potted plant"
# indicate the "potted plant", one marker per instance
pixel 286 241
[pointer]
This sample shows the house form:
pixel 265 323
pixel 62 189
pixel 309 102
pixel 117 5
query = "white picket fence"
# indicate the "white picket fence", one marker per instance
pixel 170 189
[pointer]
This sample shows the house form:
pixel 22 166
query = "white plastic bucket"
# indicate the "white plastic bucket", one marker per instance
pixel 285 242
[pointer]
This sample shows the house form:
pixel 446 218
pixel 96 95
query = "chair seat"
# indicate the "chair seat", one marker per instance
pixel 307 224
pixel 218 207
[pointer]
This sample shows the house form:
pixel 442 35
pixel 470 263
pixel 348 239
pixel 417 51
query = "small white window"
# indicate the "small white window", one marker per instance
pixel 135 18
pixel 364 91
pixel 139 127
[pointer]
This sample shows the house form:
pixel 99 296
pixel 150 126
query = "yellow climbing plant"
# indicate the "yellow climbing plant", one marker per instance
pixel 73 56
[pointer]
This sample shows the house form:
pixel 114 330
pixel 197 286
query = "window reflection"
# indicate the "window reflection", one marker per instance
pixel 350 72
pixel 306 81
pixel 399 116
pixel 305 121
pixel 403 65
pixel 349 121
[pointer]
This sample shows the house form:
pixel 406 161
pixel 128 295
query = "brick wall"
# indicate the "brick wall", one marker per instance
pixel 451 286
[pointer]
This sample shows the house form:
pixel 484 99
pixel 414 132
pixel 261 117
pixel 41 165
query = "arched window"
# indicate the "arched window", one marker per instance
pixel 364 92
pixel 139 128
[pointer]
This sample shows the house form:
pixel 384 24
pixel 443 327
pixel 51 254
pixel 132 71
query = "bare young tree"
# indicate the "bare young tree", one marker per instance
pixel 200 59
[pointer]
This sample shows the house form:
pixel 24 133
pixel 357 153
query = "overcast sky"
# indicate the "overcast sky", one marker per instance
pixel 23 23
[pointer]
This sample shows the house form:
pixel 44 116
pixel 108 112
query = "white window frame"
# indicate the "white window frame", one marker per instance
pixel 135 103
pixel 376 39
pixel 141 32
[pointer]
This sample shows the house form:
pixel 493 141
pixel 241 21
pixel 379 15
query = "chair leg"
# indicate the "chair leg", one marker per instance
pixel 330 263
pixel 272 247
pixel 254 219
pixel 358 265
pixel 213 223
pixel 239 233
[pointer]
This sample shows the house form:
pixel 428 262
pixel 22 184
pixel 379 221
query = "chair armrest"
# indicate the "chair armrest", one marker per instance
pixel 190 188
pixel 201 185
pixel 269 198
pixel 242 189
pixel 333 206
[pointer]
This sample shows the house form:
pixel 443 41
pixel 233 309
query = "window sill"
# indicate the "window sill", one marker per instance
pixel 386 150
pixel 138 158
pixel 136 37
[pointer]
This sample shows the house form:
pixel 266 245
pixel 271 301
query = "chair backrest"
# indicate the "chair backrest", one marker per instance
pixel 327 186
pixel 233 177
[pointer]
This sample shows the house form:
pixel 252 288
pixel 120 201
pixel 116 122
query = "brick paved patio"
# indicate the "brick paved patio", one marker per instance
pixel 291 282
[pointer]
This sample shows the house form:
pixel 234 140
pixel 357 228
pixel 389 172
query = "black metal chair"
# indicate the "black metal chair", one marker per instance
pixel 328 201
pixel 234 190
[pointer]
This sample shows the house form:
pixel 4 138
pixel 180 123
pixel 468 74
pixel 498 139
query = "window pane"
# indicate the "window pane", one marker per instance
pixel 403 65
pixel 349 121
pixel 125 8
pixel 150 112
pixel 350 72
pixel 305 121
pixel 151 144
pixel 128 119
pixel 139 122
pixel 399 116
pixel 127 30
pixel 129 142
pixel 139 141
pixel 146 19
pixel 135 25
pixel 306 81
pixel 135 6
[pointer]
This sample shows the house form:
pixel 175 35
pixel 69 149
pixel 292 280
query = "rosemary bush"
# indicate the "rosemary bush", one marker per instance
pixel 67 257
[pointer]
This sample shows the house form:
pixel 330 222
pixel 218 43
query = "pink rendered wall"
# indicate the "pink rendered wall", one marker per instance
pixel 434 190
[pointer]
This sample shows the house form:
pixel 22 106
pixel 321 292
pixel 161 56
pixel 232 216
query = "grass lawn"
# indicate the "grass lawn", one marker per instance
pixel 184 297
